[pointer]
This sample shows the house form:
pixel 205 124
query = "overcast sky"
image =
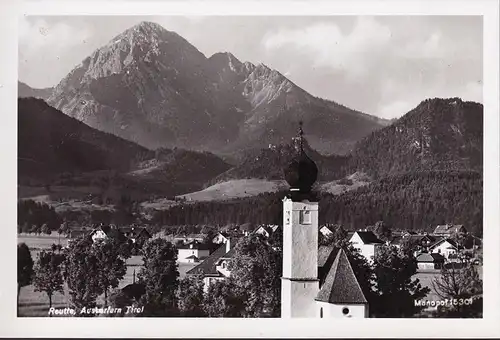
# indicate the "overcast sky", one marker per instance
pixel 379 65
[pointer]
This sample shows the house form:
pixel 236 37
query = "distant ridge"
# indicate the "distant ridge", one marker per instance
pixel 24 90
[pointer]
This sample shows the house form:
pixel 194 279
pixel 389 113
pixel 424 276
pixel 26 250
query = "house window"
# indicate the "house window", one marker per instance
pixel 345 310
pixel 305 217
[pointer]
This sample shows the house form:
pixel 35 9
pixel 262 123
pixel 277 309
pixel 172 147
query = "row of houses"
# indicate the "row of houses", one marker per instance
pixel 431 250
pixel 135 234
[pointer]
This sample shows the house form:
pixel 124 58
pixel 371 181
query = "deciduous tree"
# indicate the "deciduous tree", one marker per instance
pixel 460 284
pixel 159 275
pixel 190 297
pixel 256 268
pixel 112 268
pixel 395 290
pixel 48 274
pixel 81 272
pixel 223 299
pixel 24 268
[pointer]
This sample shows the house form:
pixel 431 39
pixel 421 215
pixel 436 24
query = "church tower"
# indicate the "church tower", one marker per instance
pixel 299 283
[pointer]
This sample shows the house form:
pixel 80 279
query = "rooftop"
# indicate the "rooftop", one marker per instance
pixel 368 237
pixel 341 285
pixel 207 267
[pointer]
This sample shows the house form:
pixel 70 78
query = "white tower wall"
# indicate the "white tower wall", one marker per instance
pixel 299 285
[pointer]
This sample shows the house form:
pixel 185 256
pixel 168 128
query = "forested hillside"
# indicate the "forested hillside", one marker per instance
pixel 416 201
pixel 439 134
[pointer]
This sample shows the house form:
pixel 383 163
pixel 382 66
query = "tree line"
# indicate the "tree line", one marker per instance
pixel 411 201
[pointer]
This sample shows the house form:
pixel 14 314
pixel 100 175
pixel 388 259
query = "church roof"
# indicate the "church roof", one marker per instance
pixel 325 253
pixel 341 285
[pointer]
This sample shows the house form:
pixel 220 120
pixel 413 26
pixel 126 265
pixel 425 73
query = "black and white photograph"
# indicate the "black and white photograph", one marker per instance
pixel 325 166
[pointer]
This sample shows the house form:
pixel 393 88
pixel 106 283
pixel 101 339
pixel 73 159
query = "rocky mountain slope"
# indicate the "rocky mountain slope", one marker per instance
pixel 151 86
pixel 24 90
pixel 439 134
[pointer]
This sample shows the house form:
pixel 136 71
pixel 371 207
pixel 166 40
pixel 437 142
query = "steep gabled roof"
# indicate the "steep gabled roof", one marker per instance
pixel 207 267
pixel 194 245
pixel 135 231
pixel 432 257
pixel 442 229
pixel 450 241
pixel 368 237
pixel 397 240
pixel 456 228
pixel 341 285
pixel 266 228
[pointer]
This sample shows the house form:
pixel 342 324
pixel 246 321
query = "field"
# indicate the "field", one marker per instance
pixel 33 303
pixel 234 189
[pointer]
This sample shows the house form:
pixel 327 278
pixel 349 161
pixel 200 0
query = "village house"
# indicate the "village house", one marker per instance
pixel 430 261
pixel 189 238
pixel 326 231
pixel 418 243
pixel 220 238
pixel 266 230
pixel 192 252
pixel 100 233
pixel 448 230
pixel 207 269
pixel 445 247
pixel 366 242
pixel 136 234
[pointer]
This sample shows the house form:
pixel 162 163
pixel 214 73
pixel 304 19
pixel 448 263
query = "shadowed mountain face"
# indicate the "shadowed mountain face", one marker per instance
pixel 439 134
pixel 24 91
pixel 49 142
pixel 151 86
pixel 53 146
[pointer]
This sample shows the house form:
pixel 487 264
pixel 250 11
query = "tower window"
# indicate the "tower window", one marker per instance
pixel 321 312
pixel 305 217
pixel 345 310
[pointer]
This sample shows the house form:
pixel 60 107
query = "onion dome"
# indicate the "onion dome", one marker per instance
pixel 302 172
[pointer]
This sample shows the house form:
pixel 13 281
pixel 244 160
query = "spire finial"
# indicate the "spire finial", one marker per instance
pixel 301 136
